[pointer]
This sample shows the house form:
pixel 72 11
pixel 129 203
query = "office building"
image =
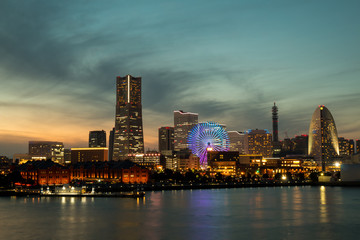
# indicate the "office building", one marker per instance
pixel 346 147
pixel 128 136
pixel 111 144
pixel 166 139
pixel 323 138
pixel 300 144
pixel 97 138
pixel 237 141
pixel 183 123
pixel 79 155
pixel 258 141
pixel 67 156
pixel 168 159
pixel 352 147
pixel 47 150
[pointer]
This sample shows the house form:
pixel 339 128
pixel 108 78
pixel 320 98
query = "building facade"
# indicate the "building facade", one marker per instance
pixel 323 138
pixel 183 123
pixel 111 144
pixel 166 139
pixel 115 171
pixel 79 155
pixel 128 136
pixel 237 141
pixel 258 142
pixel 47 150
pixel 346 147
pixel 97 139
pixel 300 144
pixel 45 172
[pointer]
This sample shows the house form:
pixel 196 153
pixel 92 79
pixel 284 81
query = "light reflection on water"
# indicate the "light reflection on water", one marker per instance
pixel 256 213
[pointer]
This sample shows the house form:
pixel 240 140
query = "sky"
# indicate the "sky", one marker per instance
pixel 229 61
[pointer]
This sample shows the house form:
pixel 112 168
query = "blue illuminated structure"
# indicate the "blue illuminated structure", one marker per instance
pixel 207 136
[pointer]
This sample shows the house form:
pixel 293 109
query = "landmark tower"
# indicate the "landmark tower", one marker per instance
pixel 128 136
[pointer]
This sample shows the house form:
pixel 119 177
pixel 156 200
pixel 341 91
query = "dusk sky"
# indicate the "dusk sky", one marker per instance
pixel 226 60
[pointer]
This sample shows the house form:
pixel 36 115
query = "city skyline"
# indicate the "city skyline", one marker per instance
pixel 228 62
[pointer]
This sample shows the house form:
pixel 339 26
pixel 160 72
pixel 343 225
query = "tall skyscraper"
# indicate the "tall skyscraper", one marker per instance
pixel 166 139
pixel 111 144
pixel 258 141
pixel 128 136
pixel 323 138
pixel 97 139
pixel 183 123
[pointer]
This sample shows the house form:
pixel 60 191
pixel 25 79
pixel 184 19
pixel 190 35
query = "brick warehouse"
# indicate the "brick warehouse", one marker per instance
pixel 50 173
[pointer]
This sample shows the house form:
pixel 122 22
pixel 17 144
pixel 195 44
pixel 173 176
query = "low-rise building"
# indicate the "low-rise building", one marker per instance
pixel 45 172
pixel 93 154
pixel 118 171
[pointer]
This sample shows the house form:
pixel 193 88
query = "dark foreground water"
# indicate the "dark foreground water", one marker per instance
pixel 248 213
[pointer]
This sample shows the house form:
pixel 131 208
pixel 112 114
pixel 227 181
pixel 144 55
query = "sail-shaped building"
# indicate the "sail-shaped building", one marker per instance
pixel 323 138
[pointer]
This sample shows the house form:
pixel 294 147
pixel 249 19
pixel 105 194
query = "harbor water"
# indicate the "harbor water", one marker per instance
pixel 243 213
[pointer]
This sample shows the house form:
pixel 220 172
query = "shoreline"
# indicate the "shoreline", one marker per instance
pixel 123 190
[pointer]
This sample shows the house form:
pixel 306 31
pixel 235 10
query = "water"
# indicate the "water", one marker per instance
pixel 248 213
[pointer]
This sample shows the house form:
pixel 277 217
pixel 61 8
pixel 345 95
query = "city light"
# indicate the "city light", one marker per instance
pixel 208 136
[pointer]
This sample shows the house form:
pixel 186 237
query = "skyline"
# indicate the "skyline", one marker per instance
pixel 228 62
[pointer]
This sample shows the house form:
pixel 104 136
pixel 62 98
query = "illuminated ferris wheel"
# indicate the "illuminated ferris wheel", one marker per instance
pixel 207 136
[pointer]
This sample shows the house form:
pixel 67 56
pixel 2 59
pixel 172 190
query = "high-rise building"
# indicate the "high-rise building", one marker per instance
pixel 48 150
pixel 111 144
pixel 346 147
pixel 237 141
pixel 258 142
pixel 97 138
pixel 352 147
pixel 300 144
pixel 357 146
pixel 166 139
pixel 128 136
pixel 183 123
pixel 323 138
pixel 287 145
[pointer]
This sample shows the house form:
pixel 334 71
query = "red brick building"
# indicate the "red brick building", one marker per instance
pixel 120 171
pixel 50 173
pixel 45 172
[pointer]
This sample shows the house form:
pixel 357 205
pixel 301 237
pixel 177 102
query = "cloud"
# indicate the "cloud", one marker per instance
pixel 59 64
